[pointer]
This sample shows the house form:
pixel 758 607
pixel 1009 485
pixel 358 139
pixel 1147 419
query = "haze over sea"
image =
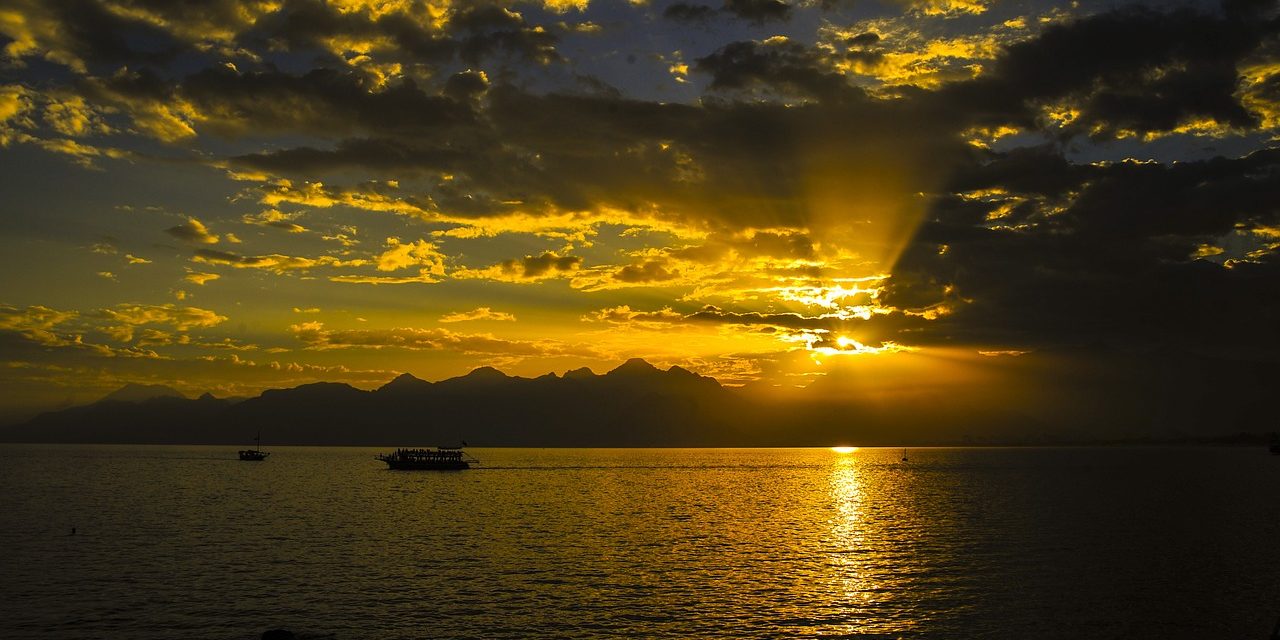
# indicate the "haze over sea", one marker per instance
pixel 187 542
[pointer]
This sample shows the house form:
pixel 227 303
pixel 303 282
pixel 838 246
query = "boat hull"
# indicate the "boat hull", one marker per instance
pixel 253 456
pixel 421 465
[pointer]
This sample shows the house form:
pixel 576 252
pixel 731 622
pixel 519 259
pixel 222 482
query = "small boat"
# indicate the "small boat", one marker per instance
pixel 255 454
pixel 904 455
pixel 438 459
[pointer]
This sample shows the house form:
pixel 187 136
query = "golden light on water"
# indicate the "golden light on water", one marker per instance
pixel 843 449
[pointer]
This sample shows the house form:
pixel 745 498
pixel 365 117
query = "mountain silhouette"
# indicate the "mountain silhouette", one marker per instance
pixel 1099 398
pixel 635 404
pixel 405 383
pixel 133 392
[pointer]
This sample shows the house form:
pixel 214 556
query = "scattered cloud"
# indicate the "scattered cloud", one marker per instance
pixel 200 278
pixel 419 253
pixel 315 336
pixel 193 231
pixel 529 268
pixel 275 262
pixel 624 314
pixel 479 313
pixel 275 218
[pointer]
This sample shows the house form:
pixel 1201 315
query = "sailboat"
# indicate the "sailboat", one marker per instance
pixel 255 454
pixel 904 455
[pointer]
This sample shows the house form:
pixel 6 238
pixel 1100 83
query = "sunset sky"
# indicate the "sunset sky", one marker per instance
pixel 233 195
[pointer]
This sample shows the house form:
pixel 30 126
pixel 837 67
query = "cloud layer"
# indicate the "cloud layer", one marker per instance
pixel 813 179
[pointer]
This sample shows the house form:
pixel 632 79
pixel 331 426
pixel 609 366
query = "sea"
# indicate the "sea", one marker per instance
pixel 187 542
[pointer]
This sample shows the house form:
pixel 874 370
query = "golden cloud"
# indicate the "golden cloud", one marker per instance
pixel 480 313
pixel 624 314
pixel 419 253
pixel 193 231
pixel 315 336
pixel 276 262
pixel 527 269
pixel 199 278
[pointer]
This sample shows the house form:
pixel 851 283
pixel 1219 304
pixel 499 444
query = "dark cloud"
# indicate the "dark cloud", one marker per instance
pixel 1038 170
pixel 536 266
pixel 365 153
pixel 788 67
pixel 215 256
pixel 317 101
pixel 465 86
pixel 542 266
pixel 1132 69
pixel 648 271
pixel 712 313
pixel 1114 265
pixel 491 29
pixel 758 11
pixel 89 32
pixel 480 18
pixel 192 231
pixel 862 39
pixel 824 330
pixel 685 12
pixel 735 163
pixel 476 31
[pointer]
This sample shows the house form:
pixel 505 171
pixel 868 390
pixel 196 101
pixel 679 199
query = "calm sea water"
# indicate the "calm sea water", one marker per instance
pixel 187 542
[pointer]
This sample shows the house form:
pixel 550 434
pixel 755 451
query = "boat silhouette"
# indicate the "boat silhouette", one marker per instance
pixel 255 454
pixel 438 459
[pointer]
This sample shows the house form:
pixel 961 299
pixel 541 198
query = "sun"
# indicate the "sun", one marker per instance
pixel 844 449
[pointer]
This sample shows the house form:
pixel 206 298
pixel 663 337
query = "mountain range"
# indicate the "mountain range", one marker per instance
pixel 1151 397
pixel 635 404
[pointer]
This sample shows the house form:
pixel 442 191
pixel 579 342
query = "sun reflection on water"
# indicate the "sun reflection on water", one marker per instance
pixel 847 537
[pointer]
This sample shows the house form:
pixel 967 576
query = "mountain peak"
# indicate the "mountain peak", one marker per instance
pixel 206 396
pixel 634 366
pixel 404 381
pixel 581 373
pixel 485 373
pixel 134 392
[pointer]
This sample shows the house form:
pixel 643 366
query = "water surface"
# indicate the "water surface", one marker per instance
pixel 188 542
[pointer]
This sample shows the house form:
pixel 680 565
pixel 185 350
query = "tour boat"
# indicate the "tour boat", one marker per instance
pixel 439 459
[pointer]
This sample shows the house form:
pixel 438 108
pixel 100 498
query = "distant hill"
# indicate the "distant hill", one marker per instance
pixel 133 392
